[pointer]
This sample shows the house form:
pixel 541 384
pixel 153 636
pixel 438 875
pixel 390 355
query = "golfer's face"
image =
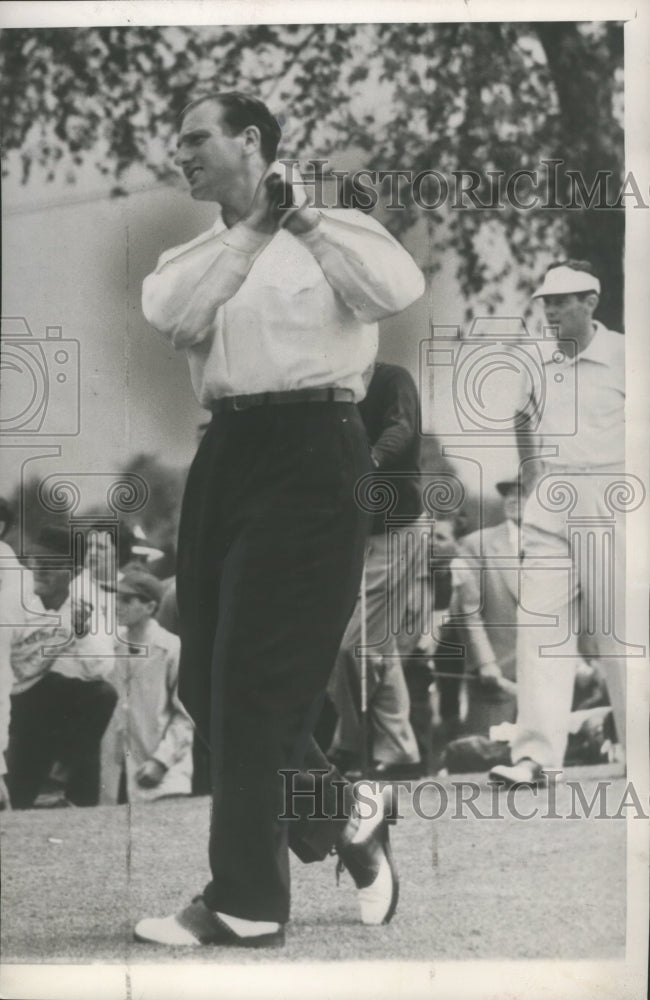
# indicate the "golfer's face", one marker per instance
pixel 209 158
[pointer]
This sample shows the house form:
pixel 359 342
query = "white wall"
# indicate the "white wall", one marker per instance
pixel 75 258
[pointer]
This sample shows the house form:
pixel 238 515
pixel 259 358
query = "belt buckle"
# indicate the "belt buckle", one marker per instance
pixel 235 403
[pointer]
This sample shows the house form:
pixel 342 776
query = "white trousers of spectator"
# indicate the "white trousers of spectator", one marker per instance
pixel 563 575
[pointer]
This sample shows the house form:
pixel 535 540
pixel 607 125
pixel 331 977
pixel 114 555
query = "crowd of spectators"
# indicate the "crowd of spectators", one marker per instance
pixel 89 711
pixel 89 708
pixel 426 677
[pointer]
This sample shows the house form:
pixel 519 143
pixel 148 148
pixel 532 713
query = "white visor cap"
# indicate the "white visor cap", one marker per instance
pixel 564 280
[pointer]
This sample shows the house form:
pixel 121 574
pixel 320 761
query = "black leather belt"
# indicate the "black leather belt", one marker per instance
pixel 234 403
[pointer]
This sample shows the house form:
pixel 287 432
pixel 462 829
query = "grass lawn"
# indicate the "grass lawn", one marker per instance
pixel 76 880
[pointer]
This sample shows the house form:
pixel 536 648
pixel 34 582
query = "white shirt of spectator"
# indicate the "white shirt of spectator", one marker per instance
pixel 16 594
pixel 46 641
pixel 594 401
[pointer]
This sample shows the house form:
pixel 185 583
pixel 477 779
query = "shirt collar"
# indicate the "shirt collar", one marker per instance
pixel 219 226
pixel 598 349
pixel 157 636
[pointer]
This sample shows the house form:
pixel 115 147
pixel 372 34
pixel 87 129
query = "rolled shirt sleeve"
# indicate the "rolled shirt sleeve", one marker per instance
pixel 374 275
pixel 181 297
pixel 371 272
pixel 260 313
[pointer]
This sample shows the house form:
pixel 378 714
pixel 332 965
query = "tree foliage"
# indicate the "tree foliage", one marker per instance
pixel 158 518
pixel 451 97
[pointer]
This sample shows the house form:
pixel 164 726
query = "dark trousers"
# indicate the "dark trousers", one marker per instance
pixel 270 555
pixel 418 677
pixel 448 658
pixel 59 718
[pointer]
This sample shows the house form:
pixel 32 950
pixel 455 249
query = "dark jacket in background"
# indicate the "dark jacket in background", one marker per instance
pixel 391 416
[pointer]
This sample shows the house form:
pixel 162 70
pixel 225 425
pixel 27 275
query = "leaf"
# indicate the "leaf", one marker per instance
pixel 451 97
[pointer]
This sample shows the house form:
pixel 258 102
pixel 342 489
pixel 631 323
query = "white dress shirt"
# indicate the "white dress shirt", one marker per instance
pixel 582 413
pixel 16 592
pixel 46 641
pixel 267 313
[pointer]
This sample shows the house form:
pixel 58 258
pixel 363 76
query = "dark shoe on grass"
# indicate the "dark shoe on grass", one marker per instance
pixel 197 925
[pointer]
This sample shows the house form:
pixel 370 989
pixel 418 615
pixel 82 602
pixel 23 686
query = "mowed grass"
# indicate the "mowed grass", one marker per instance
pixel 74 882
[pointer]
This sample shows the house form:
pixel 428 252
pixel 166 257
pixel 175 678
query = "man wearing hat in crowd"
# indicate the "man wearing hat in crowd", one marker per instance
pixel 147 748
pixel 586 366
pixel 60 699
pixel 485 589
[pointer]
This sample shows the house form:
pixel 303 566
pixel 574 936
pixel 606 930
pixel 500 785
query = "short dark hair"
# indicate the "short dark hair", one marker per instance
pixel 241 110
pixel 56 539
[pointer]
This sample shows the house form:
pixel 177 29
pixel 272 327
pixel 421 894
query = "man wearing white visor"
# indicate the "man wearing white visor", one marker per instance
pixel 570 430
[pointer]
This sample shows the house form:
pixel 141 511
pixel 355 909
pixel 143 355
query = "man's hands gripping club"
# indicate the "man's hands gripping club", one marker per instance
pixel 277 203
